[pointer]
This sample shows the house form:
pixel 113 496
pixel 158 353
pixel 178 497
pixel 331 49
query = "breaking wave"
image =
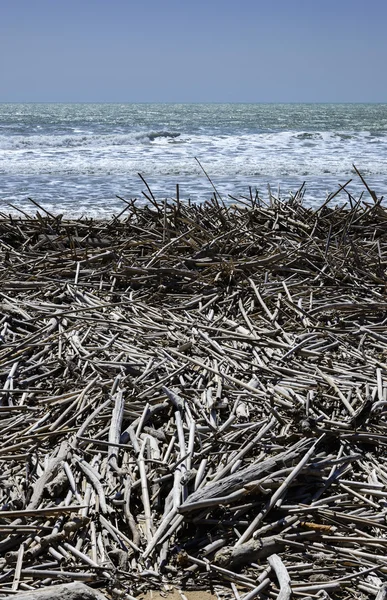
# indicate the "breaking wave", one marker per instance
pixel 82 140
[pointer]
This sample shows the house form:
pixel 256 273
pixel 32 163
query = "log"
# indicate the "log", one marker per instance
pixel 64 591
pixel 238 480
pixel 251 551
pixel 282 575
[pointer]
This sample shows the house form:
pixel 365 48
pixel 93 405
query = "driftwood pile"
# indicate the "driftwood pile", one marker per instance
pixel 195 396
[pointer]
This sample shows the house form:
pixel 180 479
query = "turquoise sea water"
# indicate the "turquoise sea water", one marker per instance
pixel 75 158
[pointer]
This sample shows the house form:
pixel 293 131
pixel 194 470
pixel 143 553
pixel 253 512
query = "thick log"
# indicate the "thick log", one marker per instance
pixel 238 480
pixel 64 591
pixel 231 556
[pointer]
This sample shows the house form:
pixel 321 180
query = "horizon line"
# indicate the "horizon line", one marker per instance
pixel 184 102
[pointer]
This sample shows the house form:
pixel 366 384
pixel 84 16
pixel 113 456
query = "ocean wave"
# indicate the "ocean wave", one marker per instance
pixel 195 143
pixel 308 135
pixel 82 140
pixel 251 162
pixel 166 152
pixel 153 135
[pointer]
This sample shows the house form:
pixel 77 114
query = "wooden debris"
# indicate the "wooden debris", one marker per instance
pixel 64 591
pixel 195 396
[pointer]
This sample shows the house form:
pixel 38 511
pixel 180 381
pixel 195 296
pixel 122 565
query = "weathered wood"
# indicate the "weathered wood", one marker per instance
pixel 183 378
pixel 251 551
pixel 282 574
pixel 382 593
pixel 237 481
pixel 64 591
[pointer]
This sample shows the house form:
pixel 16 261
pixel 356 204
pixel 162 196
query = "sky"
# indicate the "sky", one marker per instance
pixel 193 51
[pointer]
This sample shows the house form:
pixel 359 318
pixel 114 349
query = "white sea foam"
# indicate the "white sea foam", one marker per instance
pixel 158 153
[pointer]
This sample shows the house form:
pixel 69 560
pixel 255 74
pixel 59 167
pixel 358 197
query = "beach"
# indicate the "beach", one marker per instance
pixel 193 398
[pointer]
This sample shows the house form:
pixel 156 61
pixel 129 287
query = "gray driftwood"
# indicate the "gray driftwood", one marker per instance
pixel 251 551
pixel 238 480
pixel 228 363
pixel 282 575
pixel 64 591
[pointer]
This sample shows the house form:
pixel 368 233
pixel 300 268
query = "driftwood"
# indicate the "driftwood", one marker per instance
pixel 382 593
pixel 242 478
pixel 64 591
pixel 249 552
pixel 282 574
pixel 187 390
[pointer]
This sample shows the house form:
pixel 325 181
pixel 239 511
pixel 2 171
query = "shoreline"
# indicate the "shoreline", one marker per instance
pixel 191 390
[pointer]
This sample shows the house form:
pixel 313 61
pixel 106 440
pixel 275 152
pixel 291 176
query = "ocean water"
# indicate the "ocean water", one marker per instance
pixel 76 158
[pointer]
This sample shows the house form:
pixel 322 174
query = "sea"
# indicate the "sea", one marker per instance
pixel 85 159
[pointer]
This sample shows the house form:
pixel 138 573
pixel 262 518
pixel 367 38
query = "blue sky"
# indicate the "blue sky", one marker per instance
pixel 193 51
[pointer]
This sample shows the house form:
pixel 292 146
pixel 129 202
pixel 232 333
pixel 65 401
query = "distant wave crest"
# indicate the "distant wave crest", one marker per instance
pixel 153 135
pixel 91 140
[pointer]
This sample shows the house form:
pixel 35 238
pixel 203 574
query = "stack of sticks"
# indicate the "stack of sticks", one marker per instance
pixel 195 396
